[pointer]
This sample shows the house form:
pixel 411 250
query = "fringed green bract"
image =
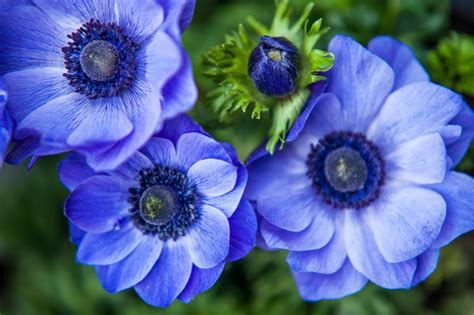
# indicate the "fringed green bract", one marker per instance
pixel 227 65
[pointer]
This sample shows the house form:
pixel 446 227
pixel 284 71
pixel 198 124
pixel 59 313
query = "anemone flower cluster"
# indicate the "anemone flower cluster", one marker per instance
pixel 371 194
pixel 101 76
pixel 364 190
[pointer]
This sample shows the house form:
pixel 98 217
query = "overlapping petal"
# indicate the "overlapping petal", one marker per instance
pixel 314 286
pixel 360 80
pixel 401 59
pixel 169 276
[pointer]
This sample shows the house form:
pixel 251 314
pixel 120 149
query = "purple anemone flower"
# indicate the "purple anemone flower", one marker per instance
pixel 97 77
pixel 366 190
pixel 167 220
pixel 5 123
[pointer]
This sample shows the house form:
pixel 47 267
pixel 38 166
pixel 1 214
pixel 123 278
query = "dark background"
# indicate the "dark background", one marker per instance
pixel 38 274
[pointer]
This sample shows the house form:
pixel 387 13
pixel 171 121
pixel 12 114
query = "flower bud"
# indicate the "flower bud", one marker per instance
pixel 274 66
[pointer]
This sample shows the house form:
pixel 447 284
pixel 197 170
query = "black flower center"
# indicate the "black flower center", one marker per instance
pixel 346 169
pixel 274 66
pixel 164 204
pixel 100 60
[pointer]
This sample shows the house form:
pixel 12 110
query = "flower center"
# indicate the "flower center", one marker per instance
pixel 164 204
pixel 346 169
pixel 99 60
pixel 158 205
pixel 274 66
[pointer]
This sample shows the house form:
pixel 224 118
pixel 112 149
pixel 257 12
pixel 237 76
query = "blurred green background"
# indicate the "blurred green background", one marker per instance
pixel 38 274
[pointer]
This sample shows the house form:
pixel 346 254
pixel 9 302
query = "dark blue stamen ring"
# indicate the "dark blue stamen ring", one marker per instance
pixel 100 60
pixel 346 169
pixel 164 204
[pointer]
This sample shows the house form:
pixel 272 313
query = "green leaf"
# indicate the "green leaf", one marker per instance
pixel 452 63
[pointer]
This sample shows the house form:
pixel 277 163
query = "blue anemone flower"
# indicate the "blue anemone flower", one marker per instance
pixel 167 220
pixel 369 187
pixel 5 123
pixel 98 77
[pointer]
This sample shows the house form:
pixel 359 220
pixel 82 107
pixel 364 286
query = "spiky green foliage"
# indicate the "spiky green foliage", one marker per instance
pixel 452 63
pixel 227 65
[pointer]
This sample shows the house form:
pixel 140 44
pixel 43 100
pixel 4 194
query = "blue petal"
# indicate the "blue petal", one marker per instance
pixel 178 15
pixel 316 90
pixel 28 38
pixel 160 151
pixel 145 15
pixel 359 79
pixel 45 84
pixel 401 58
pixel 193 147
pixel 450 133
pixel 457 190
pixel 243 231
pixel 258 153
pixel 421 160
pixel 213 177
pixel 413 111
pixel 260 241
pixel 4 141
pixel 173 129
pixel 287 168
pixel 426 265
pixel 98 204
pixel 3 96
pixel 208 238
pixel 81 10
pixel 315 287
pixel 232 153
pixel 22 149
pixel 228 203
pixel 109 248
pixel 327 117
pixel 76 234
pixel 73 170
pixel 180 92
pixel 367 259
pixel 201 280
pixel 465 119
pixel 132 269
pixel 169 276
pixel 144 111
pixel 5 123
pixel 130 169
pixel 163 59
pixel 67 16
pixel 326 260
pixel 315 236
pixel 405 221
pixel 55 120
pixel 100 126
pixel 293 210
